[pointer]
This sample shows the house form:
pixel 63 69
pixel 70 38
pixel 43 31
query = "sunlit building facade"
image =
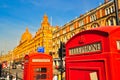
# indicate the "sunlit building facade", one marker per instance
pixel 103 15
pixel 49 36
pixel 29 43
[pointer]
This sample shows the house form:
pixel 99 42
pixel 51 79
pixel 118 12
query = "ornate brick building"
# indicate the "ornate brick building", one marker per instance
pixel 49 37
pixel 42 38
pixel 103 15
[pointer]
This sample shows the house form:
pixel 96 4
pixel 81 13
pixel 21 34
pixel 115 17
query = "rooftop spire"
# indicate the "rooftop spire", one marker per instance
pixel 45 21
pixel 26 35
pixel 27 29
pixel 45 18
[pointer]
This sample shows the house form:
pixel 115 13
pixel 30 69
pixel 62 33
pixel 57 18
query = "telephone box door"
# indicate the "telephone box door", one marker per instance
pixel 41 73
pixel 80 70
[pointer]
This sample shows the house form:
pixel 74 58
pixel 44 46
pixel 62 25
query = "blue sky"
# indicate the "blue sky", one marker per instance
pixel 16 15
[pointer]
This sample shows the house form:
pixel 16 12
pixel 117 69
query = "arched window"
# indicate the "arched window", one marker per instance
pixel 94 25
pixel 111 21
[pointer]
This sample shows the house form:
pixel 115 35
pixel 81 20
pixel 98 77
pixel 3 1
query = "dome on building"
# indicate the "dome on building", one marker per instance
pixel 26 36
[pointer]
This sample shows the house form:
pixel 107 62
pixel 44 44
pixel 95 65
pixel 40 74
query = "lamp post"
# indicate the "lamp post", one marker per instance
pixel 116 11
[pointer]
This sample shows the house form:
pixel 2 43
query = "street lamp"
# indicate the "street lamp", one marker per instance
pixel 116 11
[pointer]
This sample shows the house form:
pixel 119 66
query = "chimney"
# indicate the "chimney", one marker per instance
pixel 106 1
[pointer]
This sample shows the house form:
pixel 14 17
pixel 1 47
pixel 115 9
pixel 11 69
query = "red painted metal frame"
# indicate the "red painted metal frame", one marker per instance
pixel 29 65
pixel 106 62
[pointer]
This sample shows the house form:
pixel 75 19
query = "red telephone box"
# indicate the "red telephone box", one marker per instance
pixel 94 55
pixel 38 66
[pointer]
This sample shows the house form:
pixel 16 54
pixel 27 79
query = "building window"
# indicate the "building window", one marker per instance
pixel 81 23
pixel 95 25
pixel 109 10
pixel 38 44
pixel 112 9
pixel 106 11
pixel 111 21
pixel 71 27
pixel 64 31
pixel 93 17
